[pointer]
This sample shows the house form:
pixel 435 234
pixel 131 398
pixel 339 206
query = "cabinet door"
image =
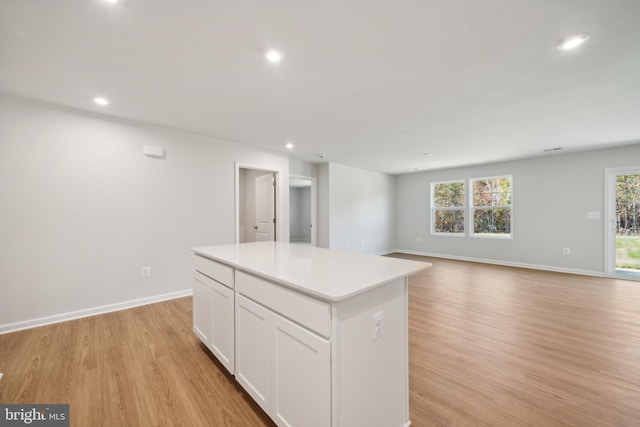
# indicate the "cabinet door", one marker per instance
pixel 201 308
pixel 254 350
pixel 302 377
pixel 222 342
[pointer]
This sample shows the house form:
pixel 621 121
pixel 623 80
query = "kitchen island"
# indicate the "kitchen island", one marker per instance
pixel 316 337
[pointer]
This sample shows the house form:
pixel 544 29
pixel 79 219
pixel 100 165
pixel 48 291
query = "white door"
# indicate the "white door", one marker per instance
pixel 265 208
pixel 622 222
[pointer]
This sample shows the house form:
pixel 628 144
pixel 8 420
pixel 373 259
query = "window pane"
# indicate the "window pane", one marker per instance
pixel 450 194
pixel 492 192
pixel 492 221
pixel 628 205
pixel 450 221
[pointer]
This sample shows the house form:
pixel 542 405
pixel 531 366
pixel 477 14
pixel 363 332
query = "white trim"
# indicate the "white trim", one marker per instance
pixel 505 263
pixel 449 234
pixel 492 236
pixel 57 318
pixel 385 252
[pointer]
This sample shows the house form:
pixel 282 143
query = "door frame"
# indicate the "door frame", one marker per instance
pixel 314 206
pixel 280 223
pixel 610 175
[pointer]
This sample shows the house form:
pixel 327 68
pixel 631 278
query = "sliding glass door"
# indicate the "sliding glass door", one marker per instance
pixel 623 222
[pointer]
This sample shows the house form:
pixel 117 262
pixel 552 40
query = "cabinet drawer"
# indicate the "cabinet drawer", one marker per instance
pixel 302 309
pixel 215 270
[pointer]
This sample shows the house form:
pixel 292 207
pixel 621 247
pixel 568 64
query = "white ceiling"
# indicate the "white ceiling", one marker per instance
pixel 371 84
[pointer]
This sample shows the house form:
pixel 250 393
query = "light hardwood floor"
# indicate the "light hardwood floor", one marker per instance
pixel 489 346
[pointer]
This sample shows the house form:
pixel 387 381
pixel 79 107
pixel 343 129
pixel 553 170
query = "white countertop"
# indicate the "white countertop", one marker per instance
pixel 323 273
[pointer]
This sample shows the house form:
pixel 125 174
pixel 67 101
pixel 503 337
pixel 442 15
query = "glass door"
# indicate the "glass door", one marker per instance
pixel 623 234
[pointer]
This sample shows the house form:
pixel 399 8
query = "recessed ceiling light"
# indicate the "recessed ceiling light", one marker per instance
pixel 289 146
pixel 273 56
pixel 573 41
pixel 101 100
pixel 549 150
pixel 111 1
pixel 428 154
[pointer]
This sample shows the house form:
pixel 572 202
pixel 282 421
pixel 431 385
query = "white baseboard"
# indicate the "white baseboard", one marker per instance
pixel 505 263
pixel 57 318
pixel 387 252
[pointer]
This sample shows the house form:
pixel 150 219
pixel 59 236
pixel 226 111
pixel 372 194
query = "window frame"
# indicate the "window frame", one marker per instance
pixel 472 209
pixel 463 208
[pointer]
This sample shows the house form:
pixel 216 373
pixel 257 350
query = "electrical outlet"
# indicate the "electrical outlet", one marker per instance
pixel 418 239
pixel 348 244
pixel 145 271
pixel 593 215
pixel 377 320
pixel 566 251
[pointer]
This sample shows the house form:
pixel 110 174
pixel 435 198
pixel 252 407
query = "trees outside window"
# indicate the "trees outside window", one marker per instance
pixel 627 221
pixel 628 205
pixel 447 207
pixel 491 206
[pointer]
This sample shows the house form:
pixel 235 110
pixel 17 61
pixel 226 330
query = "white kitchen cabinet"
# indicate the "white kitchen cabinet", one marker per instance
pixel 213 311
pixel 201 308
pixel 254 354
pixel 320 337
pixel 301 382
pixel 285 368
pixel 222 342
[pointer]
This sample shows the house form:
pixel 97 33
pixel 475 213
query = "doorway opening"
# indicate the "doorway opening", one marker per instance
pixel 623 222
pixel 257 198
pixel 302 209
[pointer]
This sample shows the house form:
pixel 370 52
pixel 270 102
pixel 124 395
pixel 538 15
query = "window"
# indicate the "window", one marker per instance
pixel 490 201
pixel 447 207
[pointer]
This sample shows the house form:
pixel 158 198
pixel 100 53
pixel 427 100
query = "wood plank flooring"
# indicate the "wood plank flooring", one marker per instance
pixel 139 367
pixel 489 346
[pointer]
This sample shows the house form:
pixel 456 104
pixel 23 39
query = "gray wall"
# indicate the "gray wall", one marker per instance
pixel 83 209
pixel 298 167
pixel 362 206
pixel 323 237
pixel 551 198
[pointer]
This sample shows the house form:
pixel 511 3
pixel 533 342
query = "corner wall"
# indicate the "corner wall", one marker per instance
pixel 362 210
pixel 551 198
pixel 83 210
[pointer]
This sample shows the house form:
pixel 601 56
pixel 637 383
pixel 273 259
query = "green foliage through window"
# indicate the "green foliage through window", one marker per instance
pixel 448 207
pixel 491 204
pixel 627 221
pixel 628 205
